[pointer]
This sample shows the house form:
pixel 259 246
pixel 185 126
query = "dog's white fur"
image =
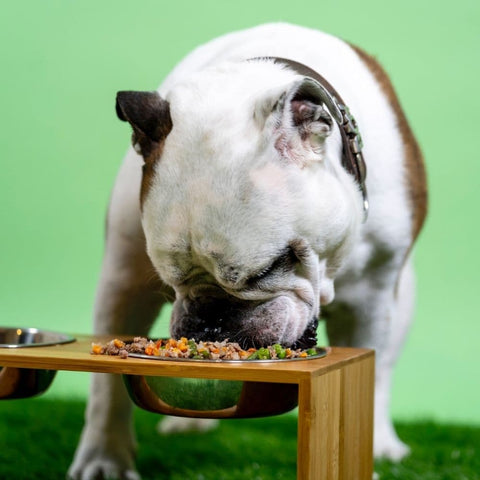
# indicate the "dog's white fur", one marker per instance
pixel 227 144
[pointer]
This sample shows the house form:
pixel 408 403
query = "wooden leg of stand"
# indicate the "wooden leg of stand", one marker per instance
pixel 318 427
pixel 335 424
pixel 357 420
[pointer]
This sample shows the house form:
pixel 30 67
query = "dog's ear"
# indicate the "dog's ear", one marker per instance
pixel 149 116
pixel 306 109
pixel 302 123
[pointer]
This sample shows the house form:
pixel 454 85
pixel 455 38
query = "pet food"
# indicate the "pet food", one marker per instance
pixel 184 348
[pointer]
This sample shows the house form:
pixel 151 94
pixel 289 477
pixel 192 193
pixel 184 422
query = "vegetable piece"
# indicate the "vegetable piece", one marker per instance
pixel 151 350
pixel 193 348
pixel 264 354
pixel 280 351
pixel 204 353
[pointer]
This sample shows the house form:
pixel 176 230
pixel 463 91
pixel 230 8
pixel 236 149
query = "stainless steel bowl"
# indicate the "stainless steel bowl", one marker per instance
pixel 210 398
pixel 31 337
pixel 27 382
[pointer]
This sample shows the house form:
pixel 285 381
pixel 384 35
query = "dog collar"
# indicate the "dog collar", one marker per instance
pixel 352 157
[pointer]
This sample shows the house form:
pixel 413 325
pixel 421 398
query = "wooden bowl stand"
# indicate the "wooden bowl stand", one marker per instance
pixel 335 396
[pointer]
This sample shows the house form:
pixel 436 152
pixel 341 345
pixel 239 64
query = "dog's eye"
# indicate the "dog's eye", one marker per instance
pixel 283 263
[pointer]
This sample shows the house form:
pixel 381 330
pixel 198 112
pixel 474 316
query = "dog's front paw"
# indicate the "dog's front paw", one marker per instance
pixel 179 424
pixel 112 460
pixel 101 469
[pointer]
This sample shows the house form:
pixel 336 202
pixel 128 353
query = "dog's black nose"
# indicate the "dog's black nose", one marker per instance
pixel 208 319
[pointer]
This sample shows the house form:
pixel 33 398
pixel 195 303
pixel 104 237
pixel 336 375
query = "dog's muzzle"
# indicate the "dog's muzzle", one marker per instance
pixel 251 324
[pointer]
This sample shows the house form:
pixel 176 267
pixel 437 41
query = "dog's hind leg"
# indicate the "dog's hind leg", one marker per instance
pixel 129 297
pixel 376 312
pixel 386 442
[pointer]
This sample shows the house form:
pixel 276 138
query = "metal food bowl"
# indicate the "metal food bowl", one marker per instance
pixel 211 398
pixel 27 382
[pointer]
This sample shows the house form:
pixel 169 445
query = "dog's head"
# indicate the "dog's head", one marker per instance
pixel 247 212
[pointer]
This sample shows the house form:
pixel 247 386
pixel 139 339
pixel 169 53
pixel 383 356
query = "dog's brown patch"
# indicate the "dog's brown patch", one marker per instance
pixel 149 116
pixel 414 164
pixel 148 170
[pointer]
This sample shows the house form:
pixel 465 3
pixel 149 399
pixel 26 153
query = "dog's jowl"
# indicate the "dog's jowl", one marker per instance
pixel 273 180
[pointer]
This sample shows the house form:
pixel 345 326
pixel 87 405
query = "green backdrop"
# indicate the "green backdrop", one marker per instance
pixel 61 144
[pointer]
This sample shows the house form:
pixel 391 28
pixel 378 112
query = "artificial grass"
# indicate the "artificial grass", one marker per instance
pixel 38 438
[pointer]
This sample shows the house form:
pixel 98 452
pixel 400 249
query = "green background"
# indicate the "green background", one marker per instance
pixel 61 144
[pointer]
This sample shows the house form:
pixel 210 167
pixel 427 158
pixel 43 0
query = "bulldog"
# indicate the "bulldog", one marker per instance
pixel 244 200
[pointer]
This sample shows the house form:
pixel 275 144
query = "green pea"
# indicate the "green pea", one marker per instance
pixel 311 351
pixel 282 354
pixel 279 350
pixel 264 354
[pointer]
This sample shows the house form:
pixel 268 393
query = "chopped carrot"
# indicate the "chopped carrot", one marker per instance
pixel 118 343
pixel 96 349
pixel 151 350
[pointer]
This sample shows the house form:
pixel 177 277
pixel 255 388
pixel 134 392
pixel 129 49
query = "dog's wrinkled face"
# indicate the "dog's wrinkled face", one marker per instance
pixel 244 214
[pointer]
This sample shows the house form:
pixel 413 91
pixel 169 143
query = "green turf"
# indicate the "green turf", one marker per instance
pixel 38 438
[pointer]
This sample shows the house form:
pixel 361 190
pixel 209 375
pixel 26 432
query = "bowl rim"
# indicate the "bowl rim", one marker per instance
pixel 62 337
pixel 321 353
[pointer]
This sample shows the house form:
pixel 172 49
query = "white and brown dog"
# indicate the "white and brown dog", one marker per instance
pixel 245 192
